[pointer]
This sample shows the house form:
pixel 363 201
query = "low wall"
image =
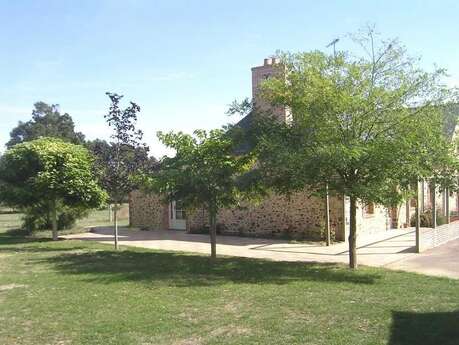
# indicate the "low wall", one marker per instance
pixel 433 237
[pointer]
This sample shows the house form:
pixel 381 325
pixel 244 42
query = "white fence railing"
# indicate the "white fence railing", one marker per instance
pixel 431 238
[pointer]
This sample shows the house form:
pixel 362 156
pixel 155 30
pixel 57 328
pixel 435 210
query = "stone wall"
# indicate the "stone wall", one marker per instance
pixel 300 216
pixel 372 223
pixel 147 211
pixel 378 221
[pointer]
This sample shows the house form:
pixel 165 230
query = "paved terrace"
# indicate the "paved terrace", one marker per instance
pixel 392 249
pixel 373 250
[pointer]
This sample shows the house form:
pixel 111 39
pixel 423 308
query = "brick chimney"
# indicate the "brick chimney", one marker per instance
pixel 269 69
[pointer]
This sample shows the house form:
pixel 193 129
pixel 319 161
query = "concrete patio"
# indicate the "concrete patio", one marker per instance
pixel 373 250
pixel 440 261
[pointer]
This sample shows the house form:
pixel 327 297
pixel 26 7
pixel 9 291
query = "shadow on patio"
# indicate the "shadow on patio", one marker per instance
pixel 133 235
pixel 373 250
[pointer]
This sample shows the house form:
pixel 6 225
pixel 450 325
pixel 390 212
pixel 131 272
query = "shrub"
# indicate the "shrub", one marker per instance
pixel 426 219
pixel 441 219
pixel 53 173
pixel 38 217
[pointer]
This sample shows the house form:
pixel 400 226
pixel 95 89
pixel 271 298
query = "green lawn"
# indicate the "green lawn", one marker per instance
pixel 11 222
pixel 73 292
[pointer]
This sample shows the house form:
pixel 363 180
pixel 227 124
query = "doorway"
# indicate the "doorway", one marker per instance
pixel 177 220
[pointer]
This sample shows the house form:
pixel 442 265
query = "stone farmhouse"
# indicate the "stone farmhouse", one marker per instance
pixel 300 216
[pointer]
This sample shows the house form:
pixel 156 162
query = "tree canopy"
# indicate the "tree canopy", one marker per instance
pixel 50 172
pixel 47 121
pixel 367 127
pixel 202 174
pixel 134 159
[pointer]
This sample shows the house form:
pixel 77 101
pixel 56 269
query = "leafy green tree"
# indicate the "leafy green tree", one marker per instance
pixel 47 121
pixel 367 127
pixel 104 152
pixel 202 174
pixel 52 172
pixel 123 159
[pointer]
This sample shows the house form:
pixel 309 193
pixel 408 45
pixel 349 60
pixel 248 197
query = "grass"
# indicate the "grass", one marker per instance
pixel 74 292
pixel 11 222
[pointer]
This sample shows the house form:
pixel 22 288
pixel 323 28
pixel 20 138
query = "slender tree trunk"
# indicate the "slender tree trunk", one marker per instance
pixel 213 233
pixel 327 216
pixel 115 219
pixel 418 219
pixel 53 211
pixel 353 234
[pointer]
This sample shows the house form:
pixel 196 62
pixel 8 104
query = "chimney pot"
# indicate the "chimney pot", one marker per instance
pixel 268 61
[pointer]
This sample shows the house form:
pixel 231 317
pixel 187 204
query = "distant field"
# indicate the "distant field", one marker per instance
pixel 9 220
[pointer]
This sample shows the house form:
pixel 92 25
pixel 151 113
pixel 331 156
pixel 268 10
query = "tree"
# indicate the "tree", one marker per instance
pixel 125 157
pixel 202 175
pixel 103 152
pixel 52 172
pixel 367 127
pixel 47 121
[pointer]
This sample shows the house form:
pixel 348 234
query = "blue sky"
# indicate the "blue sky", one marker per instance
pixel 183 61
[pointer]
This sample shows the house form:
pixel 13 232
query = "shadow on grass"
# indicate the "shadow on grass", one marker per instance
pixel 18 236
pixel 18 240
pixel 425 328
pixel 176 269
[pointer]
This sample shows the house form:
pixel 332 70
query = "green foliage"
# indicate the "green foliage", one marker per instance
pixel 49 173
pixel 426 219
pixel 37 217
pixel 134 159
pixel 450 116
pixel 203 174
pixel 441 219
pixel 204 171
pixel 47 121
pixel 365 129
pixel 365 126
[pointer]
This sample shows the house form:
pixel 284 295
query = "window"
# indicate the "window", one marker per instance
pixel 369 209
pixel 179 211
pixel 176 210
